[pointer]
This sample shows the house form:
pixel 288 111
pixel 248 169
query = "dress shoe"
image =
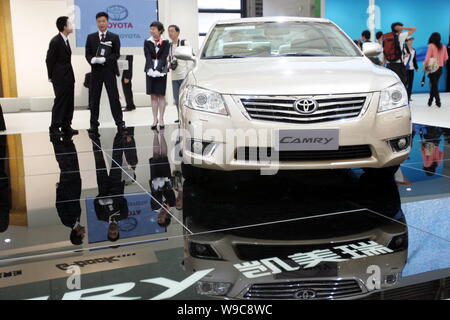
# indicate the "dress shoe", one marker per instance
pixel 70 131
pixel 55 132
pixel 127 109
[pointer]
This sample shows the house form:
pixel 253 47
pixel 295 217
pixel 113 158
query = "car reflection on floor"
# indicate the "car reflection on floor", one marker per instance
pixel 317 235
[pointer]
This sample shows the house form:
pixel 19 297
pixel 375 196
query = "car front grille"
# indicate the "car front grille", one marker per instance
pixel 265 154
pixel 281 108
pixel 314 289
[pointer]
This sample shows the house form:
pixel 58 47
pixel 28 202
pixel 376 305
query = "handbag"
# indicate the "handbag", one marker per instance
pixel 432 66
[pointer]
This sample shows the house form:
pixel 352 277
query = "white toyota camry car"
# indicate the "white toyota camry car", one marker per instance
pixel 290 93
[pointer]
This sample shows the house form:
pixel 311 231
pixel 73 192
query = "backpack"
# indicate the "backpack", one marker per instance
pixel 391 47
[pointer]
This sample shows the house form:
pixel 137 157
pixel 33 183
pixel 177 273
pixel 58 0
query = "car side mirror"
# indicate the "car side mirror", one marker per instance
pixel 184 53
pixel 371 49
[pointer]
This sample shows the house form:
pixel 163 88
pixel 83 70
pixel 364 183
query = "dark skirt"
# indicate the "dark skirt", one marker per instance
pixel 156 85
pixel 2 120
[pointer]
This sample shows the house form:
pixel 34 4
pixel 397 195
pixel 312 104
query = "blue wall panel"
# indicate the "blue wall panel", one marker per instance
pixel 427 16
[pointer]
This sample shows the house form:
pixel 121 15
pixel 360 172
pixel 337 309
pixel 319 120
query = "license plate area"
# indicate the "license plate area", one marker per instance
pixel 306 140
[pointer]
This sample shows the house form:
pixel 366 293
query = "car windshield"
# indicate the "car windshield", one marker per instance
pixel 271 39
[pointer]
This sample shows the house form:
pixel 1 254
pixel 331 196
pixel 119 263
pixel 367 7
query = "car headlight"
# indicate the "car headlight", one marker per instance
pixel 393 97
pixel 206 288
pixel 205 100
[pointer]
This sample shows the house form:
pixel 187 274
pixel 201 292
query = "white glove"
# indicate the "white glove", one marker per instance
pixel 96 60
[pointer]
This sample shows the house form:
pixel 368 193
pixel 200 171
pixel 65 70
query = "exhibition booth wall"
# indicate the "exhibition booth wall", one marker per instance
pixel 33 25
pixel 427 16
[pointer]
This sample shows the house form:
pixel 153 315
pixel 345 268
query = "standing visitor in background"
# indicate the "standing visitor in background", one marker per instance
pixel 156 51
pixel 127 76
pixel 393 44
pixel 379 39
pixel 436 57
pixel 180 68
pixel 61 75
pixel 104 71
pixel 409 58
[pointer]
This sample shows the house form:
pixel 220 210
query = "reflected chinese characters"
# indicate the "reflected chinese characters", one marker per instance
pixel 318 235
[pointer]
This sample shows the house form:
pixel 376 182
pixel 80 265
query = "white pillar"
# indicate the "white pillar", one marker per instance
pixel 371 20
pixel 322 8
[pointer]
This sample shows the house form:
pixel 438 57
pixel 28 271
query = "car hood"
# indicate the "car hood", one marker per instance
pixel 292 75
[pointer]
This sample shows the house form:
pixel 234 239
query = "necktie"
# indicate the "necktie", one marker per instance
pixel 68 45
pixel 103 38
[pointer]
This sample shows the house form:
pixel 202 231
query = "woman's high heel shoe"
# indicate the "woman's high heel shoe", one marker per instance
pixel 154 127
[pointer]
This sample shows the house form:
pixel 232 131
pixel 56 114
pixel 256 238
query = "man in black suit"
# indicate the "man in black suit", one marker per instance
pixel 127 86
pixel 110 204
pixel 104 70
pixel 60 74
pixel 68 189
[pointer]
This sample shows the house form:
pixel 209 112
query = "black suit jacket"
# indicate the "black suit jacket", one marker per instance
pixel 59 65
pixel 92 43
pixel 150 55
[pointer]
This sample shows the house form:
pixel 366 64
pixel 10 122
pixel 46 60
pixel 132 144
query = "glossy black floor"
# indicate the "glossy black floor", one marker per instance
pixel 340 234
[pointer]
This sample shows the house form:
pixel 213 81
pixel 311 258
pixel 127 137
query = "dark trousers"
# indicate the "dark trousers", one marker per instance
pixel 410 82
pixel 62 112
pixel 98 78
pixel 400 70
pixel 128 92
pixel 434 85
pixel 176 85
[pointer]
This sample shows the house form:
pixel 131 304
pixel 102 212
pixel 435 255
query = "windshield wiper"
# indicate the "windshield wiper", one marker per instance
pixel 226 56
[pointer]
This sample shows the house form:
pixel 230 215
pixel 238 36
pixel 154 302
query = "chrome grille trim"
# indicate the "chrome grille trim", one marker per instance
pixel 317 112
pixel 281 108
pixel 324 289
pixel 298 119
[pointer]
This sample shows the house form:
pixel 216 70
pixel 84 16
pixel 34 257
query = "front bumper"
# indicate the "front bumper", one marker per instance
pixel 238 130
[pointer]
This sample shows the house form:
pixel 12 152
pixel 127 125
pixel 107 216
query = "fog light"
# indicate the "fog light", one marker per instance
pixel 391 279
pixel 400 144
pixel 399 243
pixel 212 288
pixel 204 148
pixel 197 147
pixel 202 251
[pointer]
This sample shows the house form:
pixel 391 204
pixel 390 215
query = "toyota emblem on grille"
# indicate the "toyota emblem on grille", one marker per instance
pixel 306 106
pixel 305 294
